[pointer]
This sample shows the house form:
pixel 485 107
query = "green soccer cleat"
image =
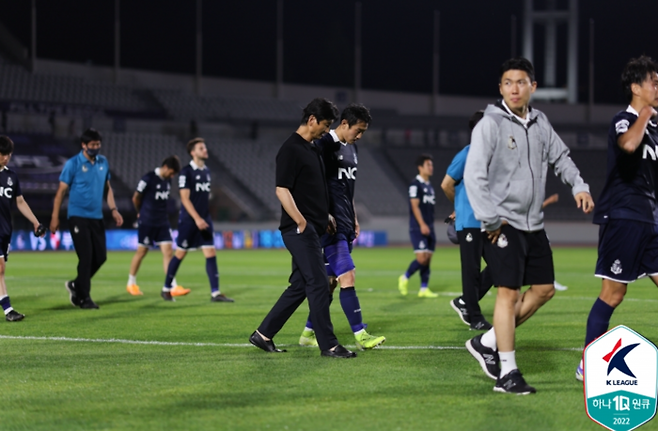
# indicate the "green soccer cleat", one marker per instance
pixel 403 284
pixel 308 339
pixel 366 341
pixel 427 293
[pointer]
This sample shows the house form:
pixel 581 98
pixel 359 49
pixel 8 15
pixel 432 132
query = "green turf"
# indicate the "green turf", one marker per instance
pixel 65 384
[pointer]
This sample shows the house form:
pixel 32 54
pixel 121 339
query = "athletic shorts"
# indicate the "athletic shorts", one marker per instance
pixel 338 258
pixel 519 258
pixel 4 246
pixel 422 242
pixel 148 236
pixel 628 250
pixel 191 238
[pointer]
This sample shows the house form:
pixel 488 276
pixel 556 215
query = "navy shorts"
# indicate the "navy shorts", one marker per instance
pixel 628 250
pixel 421 242
pixel 519 258
pixel 191 238
pixel 5 241
pixel 338 258
pixel 149 236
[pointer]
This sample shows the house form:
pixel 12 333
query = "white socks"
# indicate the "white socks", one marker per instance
pixel 489 339
pixel 132 279
pixel 507 362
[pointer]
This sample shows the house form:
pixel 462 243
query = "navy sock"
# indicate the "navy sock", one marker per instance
pixel 172 269
pixel 413 267
pixel 309 324
pixel 6 305
pixel 598 320
pixel 351 307
pixel 213 273
pixel 424 275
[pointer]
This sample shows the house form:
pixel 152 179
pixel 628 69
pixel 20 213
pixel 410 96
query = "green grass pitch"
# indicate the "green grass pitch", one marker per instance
pixel 72 369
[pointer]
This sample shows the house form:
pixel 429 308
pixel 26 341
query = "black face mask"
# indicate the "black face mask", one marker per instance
pixel 93 152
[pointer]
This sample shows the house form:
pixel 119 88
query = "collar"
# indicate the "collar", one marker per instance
pixel 4 168
pixel 335 136
pixel 81 154
pixel 419 178
pixel 195 166
pixel 157 172
pixel 632 110
pixel 523 121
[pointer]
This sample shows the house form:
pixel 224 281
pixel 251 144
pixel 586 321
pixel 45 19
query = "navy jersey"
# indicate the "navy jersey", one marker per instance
pixel 155 194
pixel 197 181
pixel 630 188
pixel 10 189
pixel 340 161
pixel 423 191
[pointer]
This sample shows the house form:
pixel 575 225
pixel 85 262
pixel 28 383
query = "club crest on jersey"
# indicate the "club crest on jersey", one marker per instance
pixel 502 241
pixel 616 267
pixel 511 143
pixel 469 237
pixel 84 168
pixel 10 182
pixel 158 186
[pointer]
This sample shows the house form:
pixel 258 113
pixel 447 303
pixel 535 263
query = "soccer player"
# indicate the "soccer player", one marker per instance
pixel 10 192
pixel 301 187
pixel 627 214
pixel 505 178
pixel 88 176
pixel 339 152
pixel 421 227
pixel 150 200
pixel 194 224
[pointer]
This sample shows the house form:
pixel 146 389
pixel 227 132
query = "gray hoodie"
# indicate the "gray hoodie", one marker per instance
pixel 505 174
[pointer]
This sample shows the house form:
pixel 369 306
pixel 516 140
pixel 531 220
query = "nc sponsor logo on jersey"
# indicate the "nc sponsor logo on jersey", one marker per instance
pixel 648 152
pixel 7 192
pixel 621 379
pixel 162 195
pixel 202 187
pixel 616 267
pixel 502 241
pixel 428 199
pixel 350 173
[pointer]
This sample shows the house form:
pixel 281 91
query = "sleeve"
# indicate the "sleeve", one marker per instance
pixel 17 187
pixel 414 191
pixel 286 167
pixel 563 166
pixel 476 172
pixel 68 172
pixel 456 168
pixel 143 183
pixel 623 123
pixel 109 174
pixel 182 179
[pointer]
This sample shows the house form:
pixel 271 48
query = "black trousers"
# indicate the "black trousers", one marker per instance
pixel 89 241
pixel 474 284
pixel 308 280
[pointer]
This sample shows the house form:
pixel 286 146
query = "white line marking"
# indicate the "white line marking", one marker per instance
pixel 178 343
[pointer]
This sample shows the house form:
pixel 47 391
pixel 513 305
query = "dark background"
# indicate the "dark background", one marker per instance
pixel 240 40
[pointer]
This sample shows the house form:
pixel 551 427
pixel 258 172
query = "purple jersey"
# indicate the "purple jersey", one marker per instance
pixel 10 189
pixel 155 194
pixel 197 181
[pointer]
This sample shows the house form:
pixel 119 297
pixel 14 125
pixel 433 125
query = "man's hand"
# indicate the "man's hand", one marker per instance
pixel 584 201
pixel 117 217
pixel 201 224
pixel 494 234
pixel 357 229
pixel 650 110
pixel 424 229
pixel 301 226
pixel 54 223
pixel 39 230
pixel 331 226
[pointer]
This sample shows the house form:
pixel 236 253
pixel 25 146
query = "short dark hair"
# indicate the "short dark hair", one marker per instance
pixel 518 63
pixel 475 118
pixel 6 145
pixel 89 135
pixel 636 72
pixel 420 160
pixel 192 143
pixel 172 162
pixel 321 109
pixel 355 112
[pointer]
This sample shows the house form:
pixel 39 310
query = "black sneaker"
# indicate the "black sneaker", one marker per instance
pixel 513 383
pixel 88 304
pixel 488 358
pixel 221 298
pixel 73 297
pixel 167 296
pixel 14 316
pixel 482 325
pixel 460 308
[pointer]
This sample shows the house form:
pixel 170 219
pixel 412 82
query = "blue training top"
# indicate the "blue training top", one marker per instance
pixel 464 217
pixel 86 182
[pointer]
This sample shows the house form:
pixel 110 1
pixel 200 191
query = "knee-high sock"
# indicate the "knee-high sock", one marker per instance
pixel 598 320
pixel 213 273
pixel 174 263
pixel 351 307
pixel 413 267
pixel 424 275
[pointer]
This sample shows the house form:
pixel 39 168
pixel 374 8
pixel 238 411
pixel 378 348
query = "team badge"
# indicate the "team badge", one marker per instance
pixel 146 240
pixel 101 168
pixel 10 182
pixel 84 168
pixel 198 177
pixel 158 186
pixel 616 267
pixel 75 229
pixel 511 143
pixel 421 245
pixel 184 244
pixel 340 157
pixel 502 241
pixel 469 237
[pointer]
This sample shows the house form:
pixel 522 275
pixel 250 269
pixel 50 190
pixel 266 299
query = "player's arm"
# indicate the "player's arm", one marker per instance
pixel 189 207
pixel 25 209
pixel 137 201
pixel 357 228
pixel 113 206
pixel 57 204
pixel 448 186
pixel 631 140
pixel 415 208
pixel 290 207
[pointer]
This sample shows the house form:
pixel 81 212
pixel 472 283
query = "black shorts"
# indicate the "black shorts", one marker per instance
pixel 4 246
pixel 191 238
pixel 148 236
pixel 520 258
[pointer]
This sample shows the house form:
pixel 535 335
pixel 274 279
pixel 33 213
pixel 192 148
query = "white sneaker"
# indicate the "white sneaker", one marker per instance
pixel 559 286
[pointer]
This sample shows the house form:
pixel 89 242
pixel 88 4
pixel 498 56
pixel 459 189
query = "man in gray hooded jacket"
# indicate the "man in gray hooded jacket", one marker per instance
pixel 505 178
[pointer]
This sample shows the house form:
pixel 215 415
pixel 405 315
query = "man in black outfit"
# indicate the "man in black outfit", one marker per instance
pixel 301 188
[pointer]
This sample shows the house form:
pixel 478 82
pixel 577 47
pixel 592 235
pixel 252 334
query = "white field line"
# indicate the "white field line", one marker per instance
pixel 177 343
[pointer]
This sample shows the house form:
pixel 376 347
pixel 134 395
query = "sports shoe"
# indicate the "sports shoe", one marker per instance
pixel 559 286
pixel 459 306
pixel 220 298
pixel 513 383
pixel 482 325
pixel 179 291
pixel 403 284
pixel 366 341
pixel 307 339
pixel 133 289
pixel 73 297
pixel 167 296
pixel 88 304
pixel 580 374
pixel 488 358
pixel 14 316
pixel 427 293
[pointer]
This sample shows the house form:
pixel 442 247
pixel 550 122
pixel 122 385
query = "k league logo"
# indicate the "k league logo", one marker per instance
pixel 621 379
